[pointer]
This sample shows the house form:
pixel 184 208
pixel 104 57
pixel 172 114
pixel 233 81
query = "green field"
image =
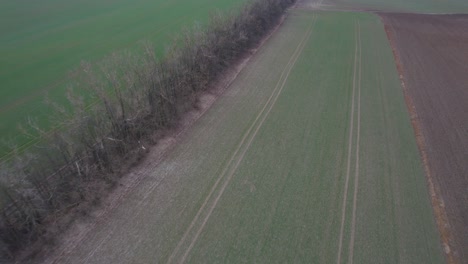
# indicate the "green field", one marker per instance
pixel 41 41
pixel 309 157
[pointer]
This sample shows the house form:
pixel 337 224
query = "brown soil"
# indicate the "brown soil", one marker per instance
pixel 431 52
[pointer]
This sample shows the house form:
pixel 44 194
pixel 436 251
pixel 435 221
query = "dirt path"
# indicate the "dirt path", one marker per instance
pixel 239 154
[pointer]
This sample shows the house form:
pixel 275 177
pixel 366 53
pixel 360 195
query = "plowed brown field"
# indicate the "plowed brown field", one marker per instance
pixel 432 53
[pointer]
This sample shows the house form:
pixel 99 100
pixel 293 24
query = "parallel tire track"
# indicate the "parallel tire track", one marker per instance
pixel 236 159
pixel 356 173
pixel 350 144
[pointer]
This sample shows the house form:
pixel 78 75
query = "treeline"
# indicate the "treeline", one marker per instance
pixel 134 96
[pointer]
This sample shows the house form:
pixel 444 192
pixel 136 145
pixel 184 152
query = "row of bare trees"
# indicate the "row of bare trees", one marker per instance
pixel 115 107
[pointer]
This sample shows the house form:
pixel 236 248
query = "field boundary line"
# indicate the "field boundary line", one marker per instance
pixel 358 137
pixel 438 206
pixel 350 145
pixel 275 94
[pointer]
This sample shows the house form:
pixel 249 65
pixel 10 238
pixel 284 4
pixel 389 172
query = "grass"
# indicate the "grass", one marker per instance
pixel 40 42
pixel 261 176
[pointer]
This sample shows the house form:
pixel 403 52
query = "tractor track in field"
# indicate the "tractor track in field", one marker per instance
pixel 357 71
pixel 242 148
pixel 358 137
